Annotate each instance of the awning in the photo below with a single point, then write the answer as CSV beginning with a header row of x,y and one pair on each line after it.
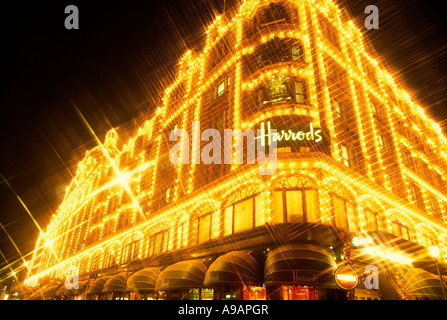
x,y
98,285
143,280
234,268
422,284
116,283
184,274
302,263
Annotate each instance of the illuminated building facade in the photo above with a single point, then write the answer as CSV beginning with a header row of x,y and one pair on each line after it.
x,y
370,190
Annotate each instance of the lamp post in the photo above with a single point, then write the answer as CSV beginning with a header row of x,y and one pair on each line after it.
x,y
434,252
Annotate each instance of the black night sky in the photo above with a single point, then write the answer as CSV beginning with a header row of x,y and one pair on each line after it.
x,y
115,67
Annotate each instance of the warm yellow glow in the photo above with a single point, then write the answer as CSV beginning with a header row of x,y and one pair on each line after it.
x,y
434,251
114,195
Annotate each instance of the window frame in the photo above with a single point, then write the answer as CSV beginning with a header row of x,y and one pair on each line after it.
x,y
345,152
295,56
199,220
304,205
302,94
131,254
338,109
151,248
222,86
255,222
347,204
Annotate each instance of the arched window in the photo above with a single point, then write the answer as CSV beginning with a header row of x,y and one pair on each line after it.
x,y
400,230
130,250
244,210
158,243
295,200
94,262
341,210
372,215
109,258
201,228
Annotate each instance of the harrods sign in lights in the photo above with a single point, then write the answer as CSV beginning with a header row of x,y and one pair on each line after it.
x,y
292,135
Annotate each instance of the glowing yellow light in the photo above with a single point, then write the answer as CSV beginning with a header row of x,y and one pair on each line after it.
x,y
85,197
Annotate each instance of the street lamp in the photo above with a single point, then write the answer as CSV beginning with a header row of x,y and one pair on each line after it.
x,y
434,252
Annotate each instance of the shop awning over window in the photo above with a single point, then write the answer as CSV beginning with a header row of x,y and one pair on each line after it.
x,y
422,284
234,268
98,285
299,264
143,280
184,274
116,283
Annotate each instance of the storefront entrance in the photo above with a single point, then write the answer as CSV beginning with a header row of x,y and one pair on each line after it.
x,y
299,293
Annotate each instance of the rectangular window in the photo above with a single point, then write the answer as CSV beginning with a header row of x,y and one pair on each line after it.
x,y
352,220
204,228
278,216
396,229
243,215
311,206
220,88
109,259
259,60
193,231
215,224
299,92
371,217
180,231
340,214
344,155
260,96
337,106
405,233
228,82
150,251
125,254
164,247
260,210
294,203
228,220
296,53
158,243
381,141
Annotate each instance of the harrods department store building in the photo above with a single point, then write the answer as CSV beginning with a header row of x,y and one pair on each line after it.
x,y
370,190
